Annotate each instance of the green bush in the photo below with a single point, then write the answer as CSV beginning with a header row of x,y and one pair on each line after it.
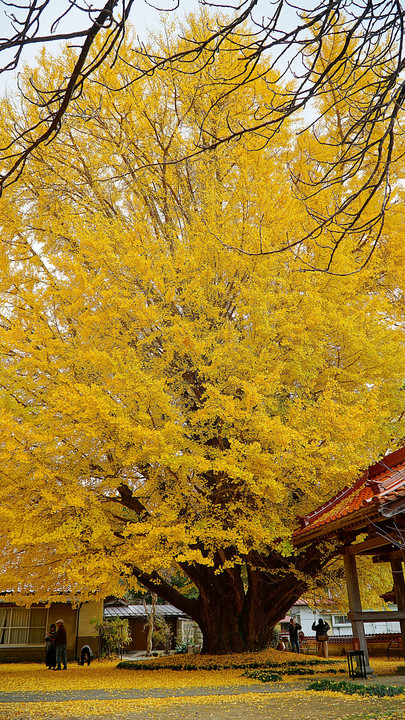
x,y
266,676
114,635
350,688
263,675
181,648
162,634
183,663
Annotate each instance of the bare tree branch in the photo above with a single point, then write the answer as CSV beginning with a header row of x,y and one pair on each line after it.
x,y
57,100
331,56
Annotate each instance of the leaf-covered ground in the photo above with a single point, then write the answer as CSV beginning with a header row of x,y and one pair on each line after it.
x,y
230,696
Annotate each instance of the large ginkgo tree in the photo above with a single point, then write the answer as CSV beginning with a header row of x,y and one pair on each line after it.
x,y
169,402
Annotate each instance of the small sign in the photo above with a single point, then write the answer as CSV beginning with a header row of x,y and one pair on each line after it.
x,y
356,644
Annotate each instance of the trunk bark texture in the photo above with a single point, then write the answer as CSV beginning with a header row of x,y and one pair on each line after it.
x,y
238,614
227,630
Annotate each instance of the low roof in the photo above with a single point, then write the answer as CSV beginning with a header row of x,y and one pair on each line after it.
x,y
381,484
133,611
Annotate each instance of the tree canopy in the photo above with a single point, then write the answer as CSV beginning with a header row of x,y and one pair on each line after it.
x,y
169,403
367,55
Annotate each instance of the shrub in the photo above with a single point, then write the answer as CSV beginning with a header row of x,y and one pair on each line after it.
x,y
226,662
162,634
114,635
350,688
181,647
265,675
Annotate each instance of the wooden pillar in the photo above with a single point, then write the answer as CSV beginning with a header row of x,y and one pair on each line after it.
x,y
353,593
399,587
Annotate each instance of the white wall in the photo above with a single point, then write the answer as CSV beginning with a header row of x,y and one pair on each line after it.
x,y
305,617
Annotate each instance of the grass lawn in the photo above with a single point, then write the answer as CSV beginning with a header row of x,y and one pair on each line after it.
x,y
41,694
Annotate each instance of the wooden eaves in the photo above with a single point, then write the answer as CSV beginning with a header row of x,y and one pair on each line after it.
x,y
369,506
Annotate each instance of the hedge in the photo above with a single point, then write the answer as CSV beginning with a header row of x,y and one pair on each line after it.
x,y
268,676
184,663
352,689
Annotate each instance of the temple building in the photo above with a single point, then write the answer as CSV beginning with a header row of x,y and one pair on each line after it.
x,y
372,507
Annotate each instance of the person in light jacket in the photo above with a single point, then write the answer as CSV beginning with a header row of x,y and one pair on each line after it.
x,y
86,655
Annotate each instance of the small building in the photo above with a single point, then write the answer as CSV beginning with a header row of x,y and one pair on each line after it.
x,y
339,623
379,636
22,629
372,507
182,628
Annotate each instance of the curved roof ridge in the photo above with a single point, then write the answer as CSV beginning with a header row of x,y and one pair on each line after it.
x,y
381,484
335,500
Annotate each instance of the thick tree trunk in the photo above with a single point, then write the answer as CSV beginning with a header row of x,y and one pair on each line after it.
x,y
227,629
220,626
238,615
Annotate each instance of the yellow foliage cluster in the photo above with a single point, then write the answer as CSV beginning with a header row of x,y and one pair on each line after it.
x,y
163,397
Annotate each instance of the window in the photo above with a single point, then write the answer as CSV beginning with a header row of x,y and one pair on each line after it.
x,y
341,620
22,626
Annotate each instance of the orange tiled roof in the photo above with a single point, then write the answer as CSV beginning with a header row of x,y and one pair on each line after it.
x,y
381,483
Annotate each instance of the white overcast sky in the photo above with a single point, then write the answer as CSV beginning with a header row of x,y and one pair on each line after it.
x,y
143,17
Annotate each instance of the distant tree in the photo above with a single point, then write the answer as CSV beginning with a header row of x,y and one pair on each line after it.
x,y
114,635
150,625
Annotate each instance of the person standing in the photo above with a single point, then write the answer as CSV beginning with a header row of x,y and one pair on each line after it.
x,y
293,630
321,628
50,654
60,645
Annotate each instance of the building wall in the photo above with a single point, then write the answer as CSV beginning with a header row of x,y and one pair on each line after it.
x,y
77,623
304,615
376,647
139,634
78,633
189,632
89,611
65,612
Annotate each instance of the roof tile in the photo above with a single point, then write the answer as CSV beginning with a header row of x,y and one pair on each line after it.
x,y
382,482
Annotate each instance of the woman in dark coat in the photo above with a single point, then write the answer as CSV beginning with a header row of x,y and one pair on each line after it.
x,y
50,655
293,630
321,628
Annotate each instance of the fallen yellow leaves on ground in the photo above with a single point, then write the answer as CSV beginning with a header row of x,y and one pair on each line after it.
x,y
105,675
270,655
238,706
385,667
247,705
34,677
